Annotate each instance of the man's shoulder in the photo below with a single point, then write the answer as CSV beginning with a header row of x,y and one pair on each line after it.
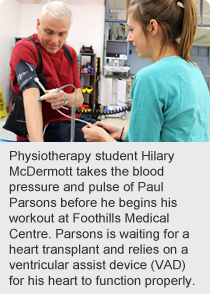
x,y
25,50
24,43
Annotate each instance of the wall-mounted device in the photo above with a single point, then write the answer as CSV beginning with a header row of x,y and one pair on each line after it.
x,y
116,48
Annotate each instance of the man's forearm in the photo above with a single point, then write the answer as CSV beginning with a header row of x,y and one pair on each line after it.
x,y
33,114
79,98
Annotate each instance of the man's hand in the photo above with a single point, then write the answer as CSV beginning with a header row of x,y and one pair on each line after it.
x,y
56,99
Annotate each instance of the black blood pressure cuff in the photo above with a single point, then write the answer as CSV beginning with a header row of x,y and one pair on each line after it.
x,y
26,73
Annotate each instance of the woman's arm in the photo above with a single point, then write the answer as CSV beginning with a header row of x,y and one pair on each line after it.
x,y
103,132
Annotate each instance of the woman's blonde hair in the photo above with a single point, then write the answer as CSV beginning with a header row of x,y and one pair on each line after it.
x,y
177,19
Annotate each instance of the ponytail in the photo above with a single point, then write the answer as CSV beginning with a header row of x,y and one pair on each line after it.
x,y
189,26
177,19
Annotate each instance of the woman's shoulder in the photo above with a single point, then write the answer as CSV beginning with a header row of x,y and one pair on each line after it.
x,y
167,66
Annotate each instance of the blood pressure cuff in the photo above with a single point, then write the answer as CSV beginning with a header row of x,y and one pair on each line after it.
x,y
26,73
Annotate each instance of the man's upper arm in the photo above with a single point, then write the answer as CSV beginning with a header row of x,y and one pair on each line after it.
x,y
25,51
22,50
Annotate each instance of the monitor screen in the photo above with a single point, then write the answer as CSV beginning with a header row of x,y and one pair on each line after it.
x,y
116,48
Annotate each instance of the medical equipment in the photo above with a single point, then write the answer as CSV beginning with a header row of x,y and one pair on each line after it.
x,y
42,87
73,107
40,84
26,73
81,120
53,91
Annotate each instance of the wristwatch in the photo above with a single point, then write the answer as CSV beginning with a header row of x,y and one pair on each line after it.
x,y
66,99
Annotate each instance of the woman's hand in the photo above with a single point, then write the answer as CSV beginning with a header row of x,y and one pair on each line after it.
x,y
113,130
93,133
